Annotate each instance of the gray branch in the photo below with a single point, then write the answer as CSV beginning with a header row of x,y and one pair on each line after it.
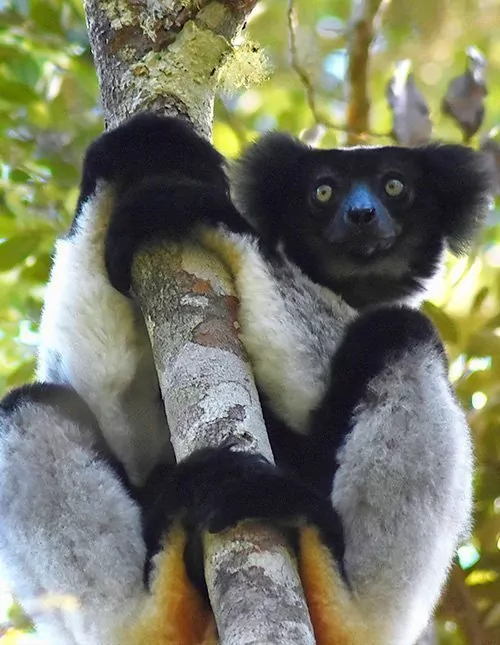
x,y
164,57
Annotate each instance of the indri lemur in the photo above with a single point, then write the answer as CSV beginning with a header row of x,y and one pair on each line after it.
x,y
329,251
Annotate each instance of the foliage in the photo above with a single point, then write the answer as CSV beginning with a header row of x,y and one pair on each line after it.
x,y
49,113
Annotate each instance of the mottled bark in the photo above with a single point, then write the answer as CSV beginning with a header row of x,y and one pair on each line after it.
x,y
210,395
164,56
161,55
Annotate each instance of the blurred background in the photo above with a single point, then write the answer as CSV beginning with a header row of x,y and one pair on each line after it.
x,y
335,72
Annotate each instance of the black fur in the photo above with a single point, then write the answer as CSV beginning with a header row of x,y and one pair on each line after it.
x,y
165,178
145,147
30,393
160,208
463,182
372,343
448,189
215,488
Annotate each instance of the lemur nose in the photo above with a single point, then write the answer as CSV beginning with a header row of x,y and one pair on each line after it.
x,y
361,216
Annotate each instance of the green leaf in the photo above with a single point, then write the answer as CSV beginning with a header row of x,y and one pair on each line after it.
x,y
479,299
483,343
445,325
45,17
16,92
20,65
19,176
17,248
38,272
23,374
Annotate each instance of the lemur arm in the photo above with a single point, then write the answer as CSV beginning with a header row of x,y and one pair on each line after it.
x,y
92,336
403,473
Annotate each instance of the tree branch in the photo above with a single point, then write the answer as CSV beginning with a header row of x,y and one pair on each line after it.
x,y
210,396
161,56
164,57
366,19
319,117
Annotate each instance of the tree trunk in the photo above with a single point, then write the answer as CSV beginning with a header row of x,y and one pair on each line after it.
x,y
164,57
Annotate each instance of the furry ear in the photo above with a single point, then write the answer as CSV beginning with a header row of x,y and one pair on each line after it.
x,y
264,180
462,182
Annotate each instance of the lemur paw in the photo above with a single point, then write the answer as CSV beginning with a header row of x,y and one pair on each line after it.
x,y
158,209
164,177
146,146
216,488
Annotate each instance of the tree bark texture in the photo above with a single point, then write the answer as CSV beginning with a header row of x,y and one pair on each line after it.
x,y
164,57
161,56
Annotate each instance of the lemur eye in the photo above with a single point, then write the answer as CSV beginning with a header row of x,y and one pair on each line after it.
x,y
323,193
394,187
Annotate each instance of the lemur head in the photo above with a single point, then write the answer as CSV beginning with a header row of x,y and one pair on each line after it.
x,y
371,224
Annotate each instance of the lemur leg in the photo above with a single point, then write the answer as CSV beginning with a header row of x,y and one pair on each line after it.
x,y
71,545
92,336
403,483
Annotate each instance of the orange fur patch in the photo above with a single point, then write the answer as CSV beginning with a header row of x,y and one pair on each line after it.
x,y
335,618
175,613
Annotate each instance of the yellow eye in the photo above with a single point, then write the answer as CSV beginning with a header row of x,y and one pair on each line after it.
x,y
323,193
394,187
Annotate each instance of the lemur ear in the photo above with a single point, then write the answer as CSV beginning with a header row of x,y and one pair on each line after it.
x,y
264,180
461,180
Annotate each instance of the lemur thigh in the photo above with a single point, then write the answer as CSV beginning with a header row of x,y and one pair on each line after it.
x,y
71,547
403,481
93,338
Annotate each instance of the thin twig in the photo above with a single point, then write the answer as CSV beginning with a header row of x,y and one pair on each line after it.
x,y
319,117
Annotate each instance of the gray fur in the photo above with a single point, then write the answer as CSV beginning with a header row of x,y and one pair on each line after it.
x,y
404,484
404,492
71,546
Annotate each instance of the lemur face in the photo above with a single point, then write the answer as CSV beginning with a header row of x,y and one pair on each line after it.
x,y
369,223
366,214
361,203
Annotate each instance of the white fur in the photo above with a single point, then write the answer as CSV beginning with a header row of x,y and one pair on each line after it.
x,y
71,546
290,328
95,339
404,492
